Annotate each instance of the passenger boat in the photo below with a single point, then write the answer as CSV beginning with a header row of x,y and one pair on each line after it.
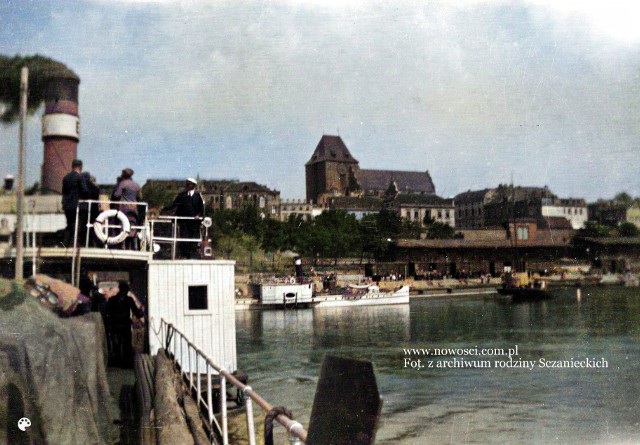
x,y
363,295
290,293
521,288
196,294
278,293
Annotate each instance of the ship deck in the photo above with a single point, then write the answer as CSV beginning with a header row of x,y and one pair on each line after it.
x,y
67,253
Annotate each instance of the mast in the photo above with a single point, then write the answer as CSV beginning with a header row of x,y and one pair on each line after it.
x,y
24,88
516,265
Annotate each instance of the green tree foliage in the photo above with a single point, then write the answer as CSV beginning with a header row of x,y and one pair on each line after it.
x,y
157,196
628,229
624,198
438,230
41,69
593,229
333,234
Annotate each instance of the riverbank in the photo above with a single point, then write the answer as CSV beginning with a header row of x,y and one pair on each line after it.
x,y
462,286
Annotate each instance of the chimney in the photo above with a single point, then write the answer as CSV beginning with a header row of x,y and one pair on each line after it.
x,y
60,131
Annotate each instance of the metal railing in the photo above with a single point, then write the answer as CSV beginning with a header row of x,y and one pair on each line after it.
x,y
173,239
177,345
143,229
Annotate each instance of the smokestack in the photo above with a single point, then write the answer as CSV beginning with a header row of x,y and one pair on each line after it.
x,y
60,130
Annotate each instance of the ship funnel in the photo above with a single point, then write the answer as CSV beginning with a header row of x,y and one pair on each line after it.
x,y
60,130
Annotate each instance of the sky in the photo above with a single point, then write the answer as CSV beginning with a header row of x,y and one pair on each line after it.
x,y
479,93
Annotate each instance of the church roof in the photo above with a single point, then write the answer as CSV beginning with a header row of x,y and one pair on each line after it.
x,y
407,181
331,148
432,200
470,197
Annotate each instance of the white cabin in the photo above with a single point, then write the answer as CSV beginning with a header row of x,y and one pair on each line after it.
x,y
286,293
197,296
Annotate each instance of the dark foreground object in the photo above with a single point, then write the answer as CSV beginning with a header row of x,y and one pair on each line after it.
x,y
53,373
346,405
523,294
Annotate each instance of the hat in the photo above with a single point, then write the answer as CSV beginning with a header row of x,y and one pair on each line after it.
x,y
193,181
76,163
127,172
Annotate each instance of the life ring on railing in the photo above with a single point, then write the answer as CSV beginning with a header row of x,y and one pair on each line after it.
x,y
102,235
292,280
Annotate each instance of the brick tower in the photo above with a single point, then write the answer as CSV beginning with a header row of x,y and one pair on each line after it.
x,y
331,171
60,130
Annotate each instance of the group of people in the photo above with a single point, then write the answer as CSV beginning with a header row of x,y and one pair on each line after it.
x,y
78,185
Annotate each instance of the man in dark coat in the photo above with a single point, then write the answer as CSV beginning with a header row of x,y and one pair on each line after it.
x,y
92,192
118,320
188,203
73,186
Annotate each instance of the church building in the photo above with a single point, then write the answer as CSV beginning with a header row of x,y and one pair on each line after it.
x,y
333,172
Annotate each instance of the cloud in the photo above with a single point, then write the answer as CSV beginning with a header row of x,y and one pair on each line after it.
x,y
246,89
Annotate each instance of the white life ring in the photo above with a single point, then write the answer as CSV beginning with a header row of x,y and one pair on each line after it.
x,y
101,233
292,280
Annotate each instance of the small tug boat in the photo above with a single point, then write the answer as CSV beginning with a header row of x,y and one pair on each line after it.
x,y
521,288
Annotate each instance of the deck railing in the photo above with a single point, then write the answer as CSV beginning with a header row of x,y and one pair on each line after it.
x,y
142,229
174,239
178,345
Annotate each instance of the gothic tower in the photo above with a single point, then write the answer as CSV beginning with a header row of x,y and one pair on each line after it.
x,y
331,171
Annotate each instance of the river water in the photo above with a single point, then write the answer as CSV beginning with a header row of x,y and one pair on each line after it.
x,y
282,353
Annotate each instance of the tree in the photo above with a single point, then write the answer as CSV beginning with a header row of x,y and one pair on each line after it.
x,y
438,230
333,234
624,198
628,229
156,195
274,236
593,229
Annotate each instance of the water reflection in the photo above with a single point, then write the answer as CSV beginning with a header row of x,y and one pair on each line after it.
x,y
361,327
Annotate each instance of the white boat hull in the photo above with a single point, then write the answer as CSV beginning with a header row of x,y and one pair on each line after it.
x,y
400,296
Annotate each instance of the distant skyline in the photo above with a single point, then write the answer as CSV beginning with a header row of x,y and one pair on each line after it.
x,y
475,92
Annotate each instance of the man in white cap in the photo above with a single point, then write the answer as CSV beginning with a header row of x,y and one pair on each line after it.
x,y
188,203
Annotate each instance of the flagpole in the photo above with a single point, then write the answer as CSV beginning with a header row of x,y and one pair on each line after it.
x,y
24,88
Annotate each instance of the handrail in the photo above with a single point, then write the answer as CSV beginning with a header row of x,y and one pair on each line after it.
x,y
173,239
89,226
169,332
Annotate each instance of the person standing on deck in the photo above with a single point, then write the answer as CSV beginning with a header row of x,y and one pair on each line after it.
x,y
119,309
88,212
188,203
128,191
73,186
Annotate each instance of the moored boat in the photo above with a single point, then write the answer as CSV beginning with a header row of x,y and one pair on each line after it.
x,y
277,293
521,288
367,295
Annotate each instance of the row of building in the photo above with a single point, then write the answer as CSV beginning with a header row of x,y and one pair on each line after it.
x,y
497,228
334,180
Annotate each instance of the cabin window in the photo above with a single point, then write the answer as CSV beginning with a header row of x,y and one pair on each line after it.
x,y
198,298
